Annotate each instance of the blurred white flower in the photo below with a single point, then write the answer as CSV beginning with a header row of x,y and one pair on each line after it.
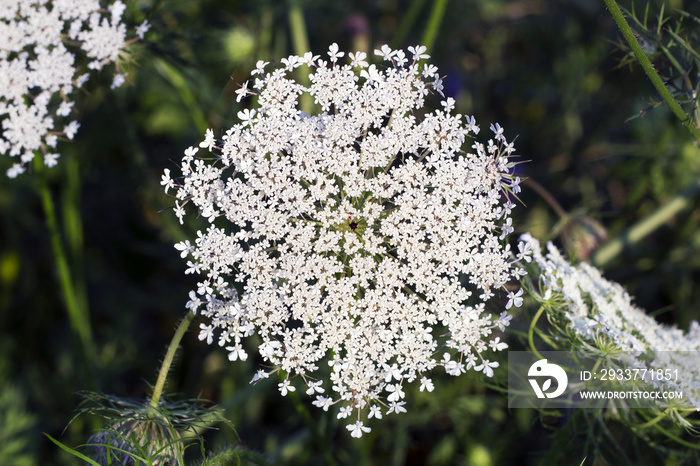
x,y
600,313
39,41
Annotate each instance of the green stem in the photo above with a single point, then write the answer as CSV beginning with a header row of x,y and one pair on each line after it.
x,y
531,330
672,436
77,316
649,68
168,359
546,195
178,80
644,227
431,31
73,230
300,43
407,23
652,421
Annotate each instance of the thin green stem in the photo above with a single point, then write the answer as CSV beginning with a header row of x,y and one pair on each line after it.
x,y
73,230
652,421
647,225
168,359
407,23
300,43
531,331
546,195
672,436
77,316
649,68
431,31
177,79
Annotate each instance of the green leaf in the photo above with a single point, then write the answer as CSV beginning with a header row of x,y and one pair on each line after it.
x,y
72,451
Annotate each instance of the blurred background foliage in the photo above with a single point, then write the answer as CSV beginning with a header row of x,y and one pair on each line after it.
x,y
552,72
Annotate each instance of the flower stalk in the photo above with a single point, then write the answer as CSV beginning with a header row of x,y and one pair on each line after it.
x,y
612,249
168,359
77,314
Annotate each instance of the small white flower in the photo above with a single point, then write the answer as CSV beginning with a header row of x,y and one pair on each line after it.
x,y
309,59
285,387
207,333
142,29
487,367
426,384
242,92
429,70
260,67
515,299
315,387
237,352
246,116
333,52
357,429
50,160
374,411
395,392
166,181
194,302
208,140
397,408
118,80
71,129
14,170
392,372
344,412
64,108
448,104
419,52
259,375
438,86
507,228
497,345
358,60
323,402
385,52
503,321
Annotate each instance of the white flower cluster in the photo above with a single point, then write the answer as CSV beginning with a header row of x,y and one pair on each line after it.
x,y
353,233
37,70
601,314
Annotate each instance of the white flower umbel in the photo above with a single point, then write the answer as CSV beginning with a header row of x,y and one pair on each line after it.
x,y
352,233
600,314
38,76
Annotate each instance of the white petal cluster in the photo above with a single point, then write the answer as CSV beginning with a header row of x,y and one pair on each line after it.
x,y
38,75
354,233
601,314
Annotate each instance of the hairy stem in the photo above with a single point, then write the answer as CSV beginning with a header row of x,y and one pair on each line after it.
x,y
649,68
169,356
